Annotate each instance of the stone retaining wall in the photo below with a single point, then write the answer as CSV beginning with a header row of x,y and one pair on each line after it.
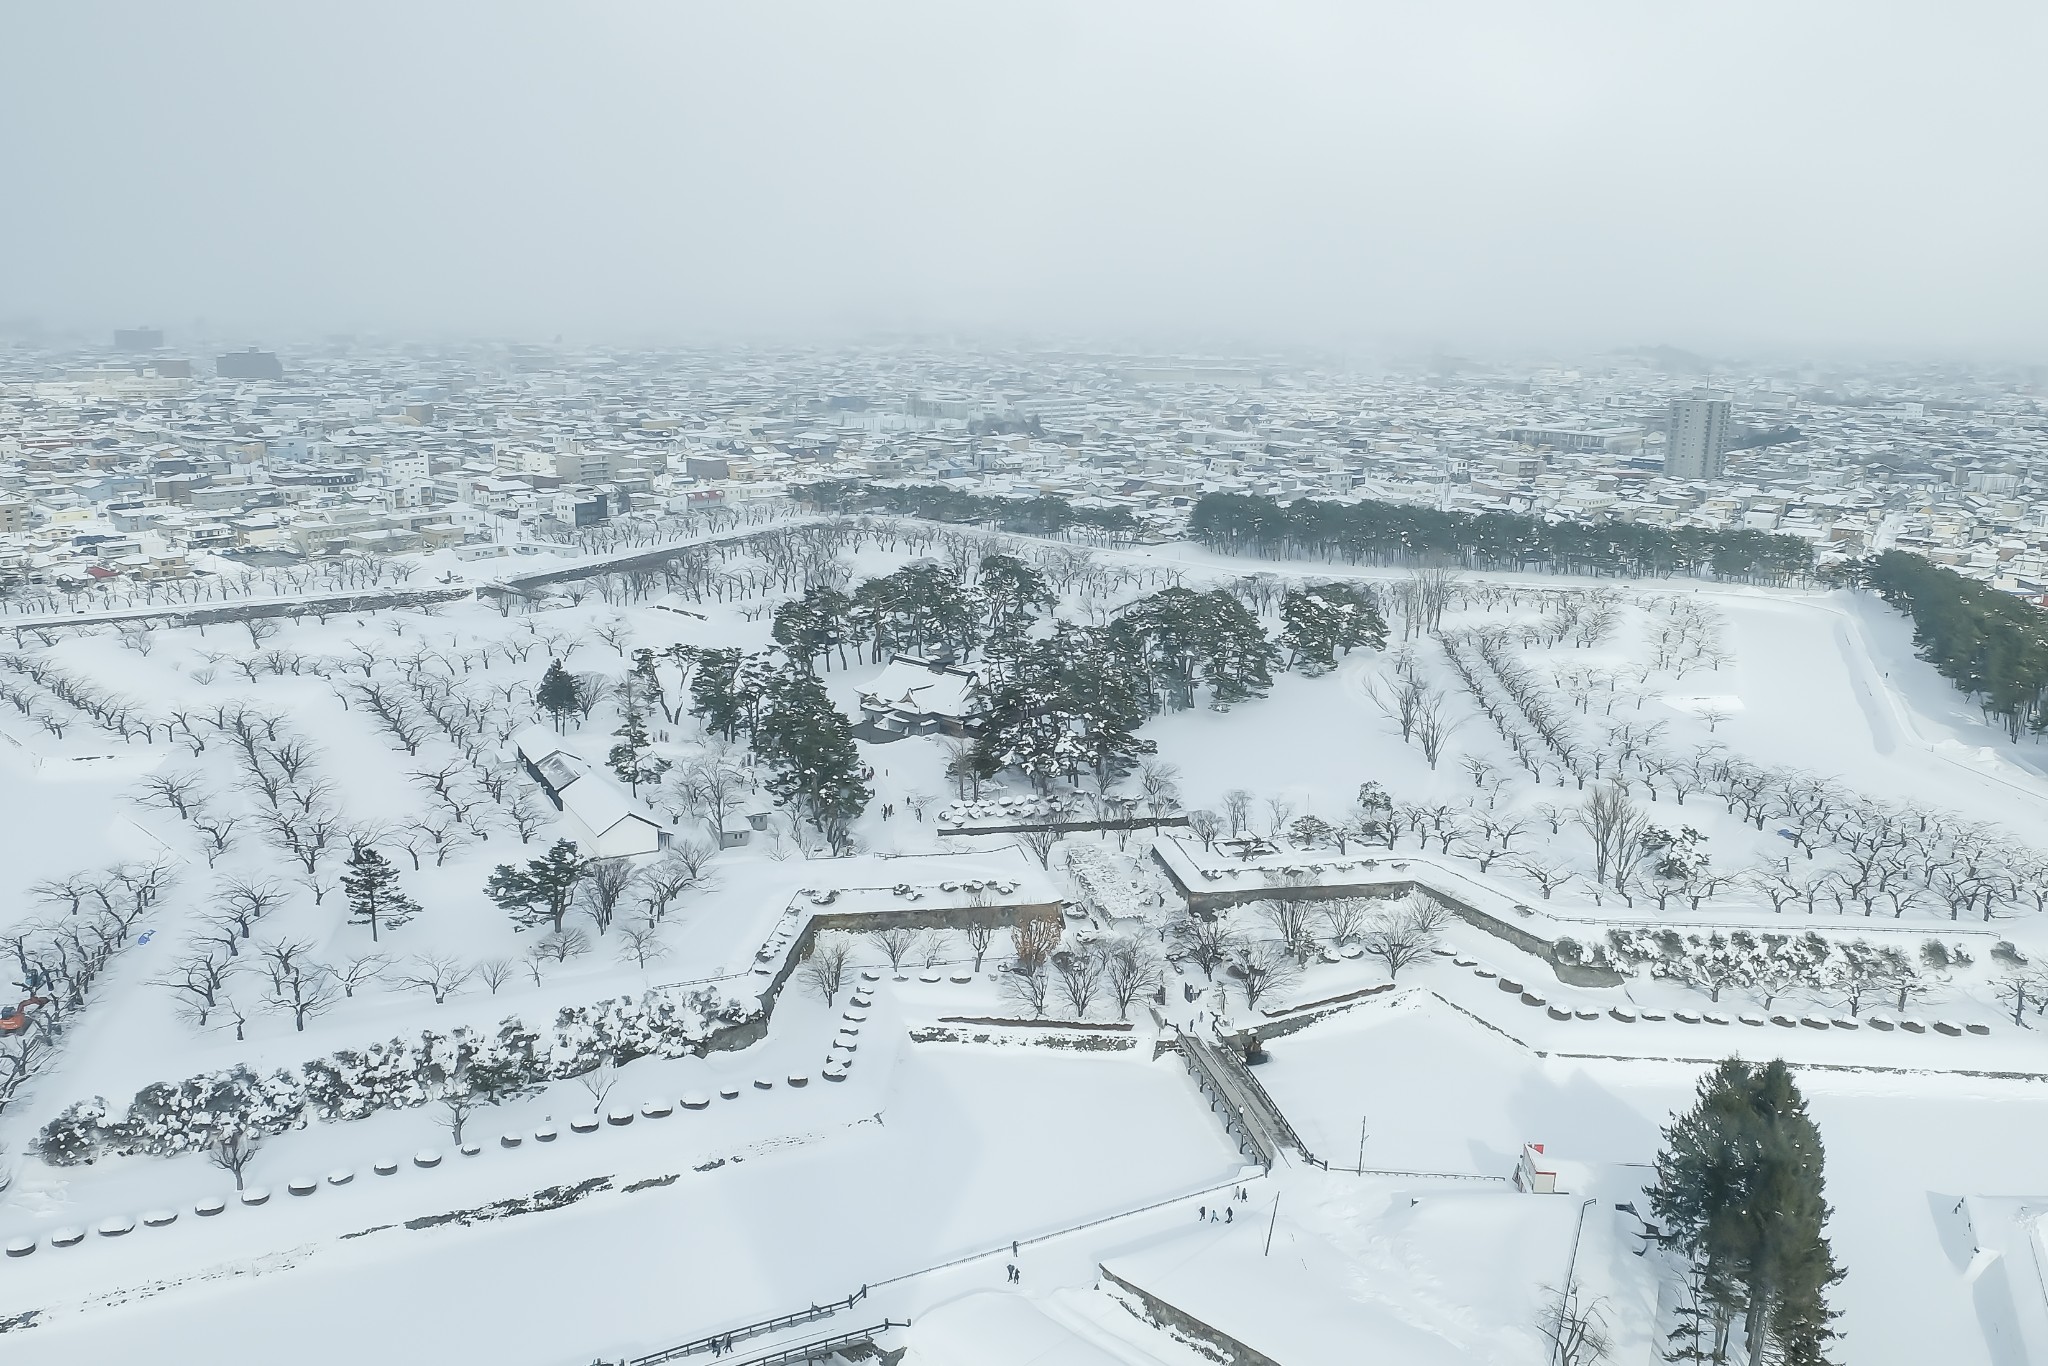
x,y
1571,974
1211,1341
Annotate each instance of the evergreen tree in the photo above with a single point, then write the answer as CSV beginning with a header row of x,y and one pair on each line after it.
x,y
1013,594
714,696
1740,1191
1070,702
812,626
560,695
374,896
1321,621
920,608
808,745
629,758
1185,638
541,892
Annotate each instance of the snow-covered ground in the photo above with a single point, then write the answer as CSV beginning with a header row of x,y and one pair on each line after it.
x,y
914,1174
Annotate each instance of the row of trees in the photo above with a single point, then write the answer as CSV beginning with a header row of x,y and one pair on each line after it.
x,y
1989,644
1378,533
228,1115
1040,515
57,961
1847,974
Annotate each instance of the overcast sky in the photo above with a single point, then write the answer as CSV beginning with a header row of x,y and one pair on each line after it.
x,y
1794,174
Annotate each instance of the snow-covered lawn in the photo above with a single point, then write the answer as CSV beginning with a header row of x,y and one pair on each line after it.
x,y
706,1212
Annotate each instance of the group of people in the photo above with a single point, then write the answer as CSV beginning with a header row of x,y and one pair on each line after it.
x,y
1207,1213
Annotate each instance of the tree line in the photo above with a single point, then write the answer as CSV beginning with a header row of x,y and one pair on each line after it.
x,y
1989,644
1377,533
1041,515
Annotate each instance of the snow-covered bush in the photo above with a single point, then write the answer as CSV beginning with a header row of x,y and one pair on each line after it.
x,y
73,1137
165,1118
1769,965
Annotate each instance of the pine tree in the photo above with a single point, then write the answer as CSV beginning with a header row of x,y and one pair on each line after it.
x,y
717,697
374,896
542,891
629,758
808,744
1740,1191
560,695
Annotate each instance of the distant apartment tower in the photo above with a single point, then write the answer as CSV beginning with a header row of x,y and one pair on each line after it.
x,y
1696,438
249,364
138,338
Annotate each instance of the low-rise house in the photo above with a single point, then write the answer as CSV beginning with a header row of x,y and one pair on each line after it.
x,y
611,827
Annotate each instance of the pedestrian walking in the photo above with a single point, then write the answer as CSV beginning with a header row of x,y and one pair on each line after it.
x,y
1230,1216
1013,1247
1010,1273
1201,1213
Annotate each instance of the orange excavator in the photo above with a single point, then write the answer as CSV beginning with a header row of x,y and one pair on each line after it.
x,y
14,1019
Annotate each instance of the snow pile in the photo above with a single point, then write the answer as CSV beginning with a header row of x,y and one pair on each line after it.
x,y
1117,886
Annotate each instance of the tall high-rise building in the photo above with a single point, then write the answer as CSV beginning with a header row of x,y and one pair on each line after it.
x,y
1696,438
137,338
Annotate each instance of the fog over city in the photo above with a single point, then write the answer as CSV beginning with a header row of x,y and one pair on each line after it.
x,y
1842,177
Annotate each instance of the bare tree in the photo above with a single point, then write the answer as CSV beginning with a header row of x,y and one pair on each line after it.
x,y
2017,987
895,942
1040,841
1130,970
439,974
1291,918
1237,810
1033,941
979,935
641,941
1205,826
1434,726
200,980
1617,826
1344,918
1262,967
1278,809
298,986
1208,941
829,968
495,972
216,832
604,886
599,1081
1029,984
179,792
359,972
668,877
1576,1331
529,816
1549,874
243,901
1079,972
559,946
1405,934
